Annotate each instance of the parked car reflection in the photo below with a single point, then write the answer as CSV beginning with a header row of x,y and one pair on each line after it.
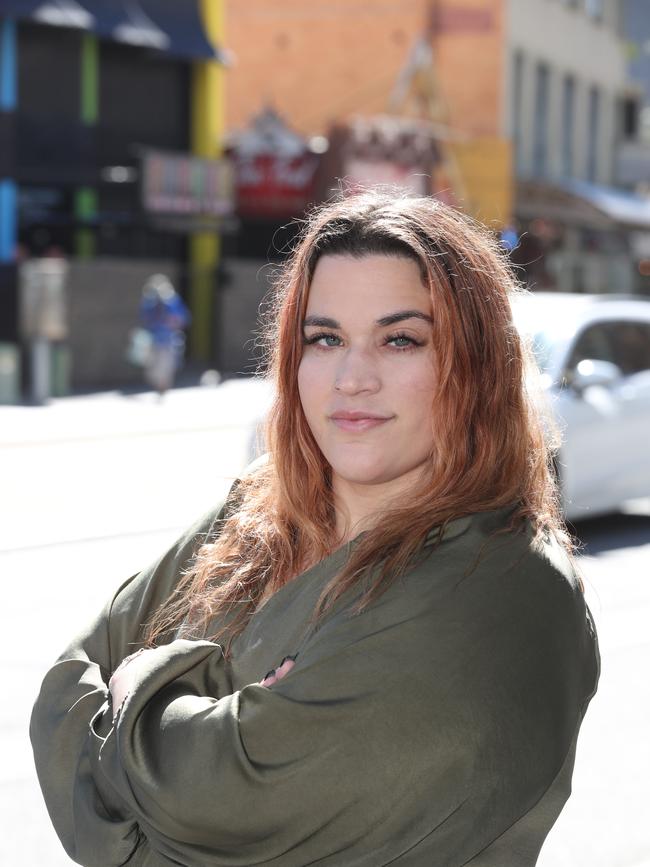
x,y
594,354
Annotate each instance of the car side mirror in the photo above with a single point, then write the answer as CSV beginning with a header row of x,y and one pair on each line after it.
x,y
590,372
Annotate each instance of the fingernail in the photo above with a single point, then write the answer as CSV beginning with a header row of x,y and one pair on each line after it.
x,y
291,657
269,674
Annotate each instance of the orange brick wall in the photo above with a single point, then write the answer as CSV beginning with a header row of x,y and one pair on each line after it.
x,y
316,61
471,72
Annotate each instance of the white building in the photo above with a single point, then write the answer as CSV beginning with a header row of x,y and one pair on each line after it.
x,y
569,107
566,87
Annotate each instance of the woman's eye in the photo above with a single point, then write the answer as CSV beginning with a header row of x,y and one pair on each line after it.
x,y
402,341
327,340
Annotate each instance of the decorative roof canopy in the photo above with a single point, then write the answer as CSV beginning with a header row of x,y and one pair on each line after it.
x,y
172,26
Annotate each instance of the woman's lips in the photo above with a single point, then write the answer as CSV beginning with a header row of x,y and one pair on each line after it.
x,y
357,422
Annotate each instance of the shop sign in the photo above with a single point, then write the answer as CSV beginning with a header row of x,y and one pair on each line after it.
x,y
463,19
271,185
184,185
386,150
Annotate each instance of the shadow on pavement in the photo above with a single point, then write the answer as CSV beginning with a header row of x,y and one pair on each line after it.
x,y
611,532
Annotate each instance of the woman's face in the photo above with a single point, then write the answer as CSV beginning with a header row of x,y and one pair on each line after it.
x,y
366,378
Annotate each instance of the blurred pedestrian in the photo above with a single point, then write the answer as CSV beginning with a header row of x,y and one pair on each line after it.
x,y
398,567
164,316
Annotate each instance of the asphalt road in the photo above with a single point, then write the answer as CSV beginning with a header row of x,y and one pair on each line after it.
x,y
93,490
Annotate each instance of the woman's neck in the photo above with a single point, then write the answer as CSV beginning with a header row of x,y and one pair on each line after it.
x,y
358,507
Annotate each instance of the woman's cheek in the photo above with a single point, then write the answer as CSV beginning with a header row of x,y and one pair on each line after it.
x,y
312,378
308,389
418,378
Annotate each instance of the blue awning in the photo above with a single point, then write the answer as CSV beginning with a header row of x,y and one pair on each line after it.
x,y
127,22
182,21
581,203
57,13
619,205
172,26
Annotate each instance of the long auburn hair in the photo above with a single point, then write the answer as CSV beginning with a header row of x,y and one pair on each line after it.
x,y
490,447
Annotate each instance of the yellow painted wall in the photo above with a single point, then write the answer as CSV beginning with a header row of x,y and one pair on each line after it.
x,y
485,165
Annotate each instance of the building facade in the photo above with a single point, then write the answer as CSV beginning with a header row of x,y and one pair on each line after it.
x,y
570,110
566,82
110,133
634,156
327,63
531,101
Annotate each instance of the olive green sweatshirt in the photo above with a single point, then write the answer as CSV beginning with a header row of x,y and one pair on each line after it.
x,y
437,728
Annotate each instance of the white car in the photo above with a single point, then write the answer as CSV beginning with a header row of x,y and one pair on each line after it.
x,y
594,354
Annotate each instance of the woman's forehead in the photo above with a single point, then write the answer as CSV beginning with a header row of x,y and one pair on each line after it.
x,y
373,280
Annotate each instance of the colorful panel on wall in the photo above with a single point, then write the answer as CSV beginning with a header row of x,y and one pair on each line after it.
x,y
178,184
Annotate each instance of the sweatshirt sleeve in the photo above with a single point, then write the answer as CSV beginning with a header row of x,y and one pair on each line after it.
x,y
429,717
94,826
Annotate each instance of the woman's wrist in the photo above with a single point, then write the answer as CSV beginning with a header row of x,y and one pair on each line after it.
x,y
122,679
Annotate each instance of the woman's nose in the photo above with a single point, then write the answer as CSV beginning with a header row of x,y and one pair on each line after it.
x,y
357,373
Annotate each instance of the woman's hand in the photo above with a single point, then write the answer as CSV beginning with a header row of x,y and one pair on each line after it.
x,y
278,673
123,677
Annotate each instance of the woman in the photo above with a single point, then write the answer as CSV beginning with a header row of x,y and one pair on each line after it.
x,y
398,564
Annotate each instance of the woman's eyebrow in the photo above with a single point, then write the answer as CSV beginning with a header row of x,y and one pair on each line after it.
x,y
320,322
391,319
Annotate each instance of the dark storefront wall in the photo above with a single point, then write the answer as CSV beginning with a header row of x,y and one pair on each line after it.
x,y
52,147
48,72
53,151
143,94
143,100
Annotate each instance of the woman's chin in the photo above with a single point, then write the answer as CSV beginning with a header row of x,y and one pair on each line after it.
x,y
360,470
358,473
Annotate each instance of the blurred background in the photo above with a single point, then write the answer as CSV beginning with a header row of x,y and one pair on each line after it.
x,y
164,149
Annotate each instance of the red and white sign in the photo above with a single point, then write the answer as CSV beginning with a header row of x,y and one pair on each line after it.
x,y
272,185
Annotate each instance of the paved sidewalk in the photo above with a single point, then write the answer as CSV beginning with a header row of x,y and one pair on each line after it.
x,y
109,464
112,413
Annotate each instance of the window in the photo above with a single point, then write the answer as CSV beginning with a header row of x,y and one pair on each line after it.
x,y
631,342
626,344
540,135
630,111
517,91
568,112
595,344
593,123
595,8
